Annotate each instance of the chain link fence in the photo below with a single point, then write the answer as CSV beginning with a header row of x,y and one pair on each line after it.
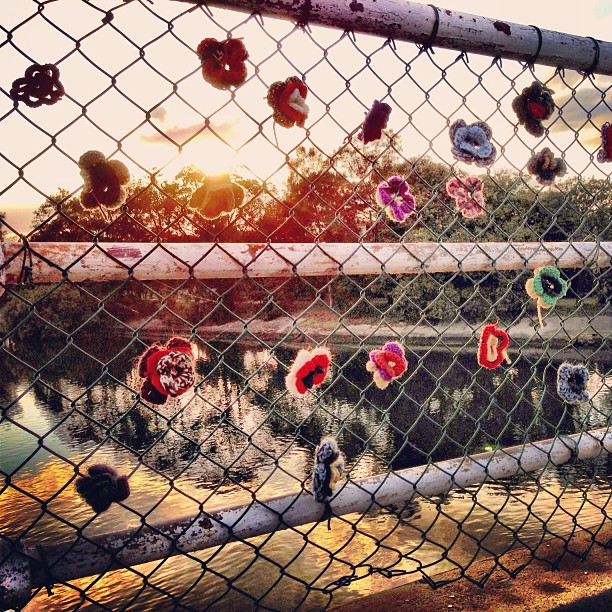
x,y
305,255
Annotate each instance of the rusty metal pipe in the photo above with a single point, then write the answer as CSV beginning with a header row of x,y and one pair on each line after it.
x,y
410,21
84,557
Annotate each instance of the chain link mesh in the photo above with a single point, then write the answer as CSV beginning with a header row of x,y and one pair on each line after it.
x,y
69,388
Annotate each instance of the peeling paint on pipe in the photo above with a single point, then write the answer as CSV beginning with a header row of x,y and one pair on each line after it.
x,y
84,557
79,261
404,20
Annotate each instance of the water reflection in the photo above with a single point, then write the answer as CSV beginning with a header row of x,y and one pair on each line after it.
x,y
238,433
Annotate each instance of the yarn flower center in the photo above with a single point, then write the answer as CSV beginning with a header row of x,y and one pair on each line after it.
x,y
308,380
576,381
537,110
175,372
551,285
297,102
492,344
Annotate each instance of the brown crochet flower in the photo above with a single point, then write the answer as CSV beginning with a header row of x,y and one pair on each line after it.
x,y
104,181
546,167
217,196
40,85
534,105
102,486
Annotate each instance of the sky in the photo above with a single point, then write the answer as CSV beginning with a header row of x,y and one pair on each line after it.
x,y
151,125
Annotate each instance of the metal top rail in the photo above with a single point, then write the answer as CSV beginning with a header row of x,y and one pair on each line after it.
x,y
429,25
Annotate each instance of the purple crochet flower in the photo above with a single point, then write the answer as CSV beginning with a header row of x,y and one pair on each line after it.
x,y
393,195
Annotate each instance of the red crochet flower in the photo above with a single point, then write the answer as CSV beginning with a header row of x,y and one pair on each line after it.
x,y
492,346
309,370
168,371
223,62
390,363
288,99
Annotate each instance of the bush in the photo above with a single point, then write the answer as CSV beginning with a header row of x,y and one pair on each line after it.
x,y
47,314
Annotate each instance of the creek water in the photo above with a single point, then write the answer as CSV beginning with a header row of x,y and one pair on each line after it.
x,y
239,434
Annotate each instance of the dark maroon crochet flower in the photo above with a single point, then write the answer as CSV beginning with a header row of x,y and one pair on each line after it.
x,y
375,122
102,486
40,85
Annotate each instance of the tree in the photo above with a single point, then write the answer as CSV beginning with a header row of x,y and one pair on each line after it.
x,y
153,211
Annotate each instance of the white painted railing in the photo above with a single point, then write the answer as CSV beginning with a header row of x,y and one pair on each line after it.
x,y
82,261
36,567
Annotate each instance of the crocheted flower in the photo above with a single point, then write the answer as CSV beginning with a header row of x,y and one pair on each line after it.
x,y
168,371
605,153
387,363
375,122
308,371
217,196
393,195
571,383
492,346
533,105
546,167
288,99
40,85
328,469
104,181
472,144
102,487
469,195
546,287
223,62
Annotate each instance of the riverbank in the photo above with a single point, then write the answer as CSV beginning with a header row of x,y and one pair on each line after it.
x,y
321,326
577,585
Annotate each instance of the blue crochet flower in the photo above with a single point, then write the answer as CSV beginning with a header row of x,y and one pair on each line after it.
x,y
571,383
472,143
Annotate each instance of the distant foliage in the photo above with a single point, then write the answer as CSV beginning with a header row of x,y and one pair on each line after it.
x,y
326,198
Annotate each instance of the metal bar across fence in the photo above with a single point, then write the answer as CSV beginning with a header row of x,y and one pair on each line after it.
x,y
148,262
426,24
71,560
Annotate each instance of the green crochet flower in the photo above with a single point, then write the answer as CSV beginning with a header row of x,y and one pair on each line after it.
x,y
549,286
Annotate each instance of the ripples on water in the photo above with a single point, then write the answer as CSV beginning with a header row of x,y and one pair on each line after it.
x,y
240,432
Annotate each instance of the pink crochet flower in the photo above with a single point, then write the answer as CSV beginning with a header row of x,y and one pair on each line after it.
x,y
393,195
468,194
387,363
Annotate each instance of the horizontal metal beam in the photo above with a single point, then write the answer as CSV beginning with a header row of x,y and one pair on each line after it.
x,y
85,557
410,21
81,261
